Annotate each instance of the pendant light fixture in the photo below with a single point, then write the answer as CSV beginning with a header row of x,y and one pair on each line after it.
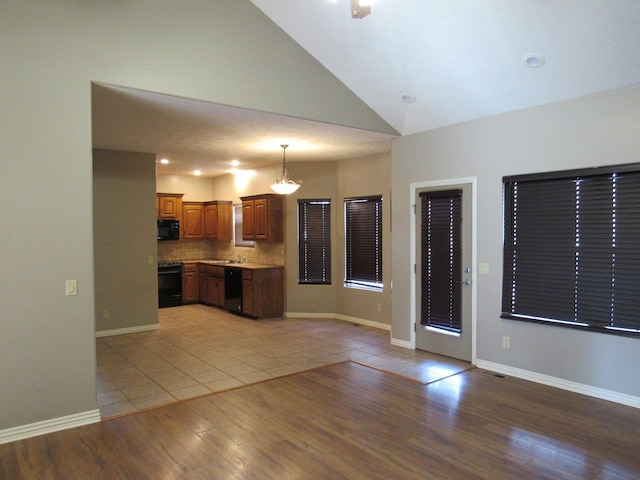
x,y
283,185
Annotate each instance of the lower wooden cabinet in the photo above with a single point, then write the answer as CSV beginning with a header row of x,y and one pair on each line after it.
x,y
214,286
190,283
262,288
263,292
202,282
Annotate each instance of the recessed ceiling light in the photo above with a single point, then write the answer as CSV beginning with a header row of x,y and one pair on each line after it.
x,y
197,172
234,163
408,97
534,60
164,161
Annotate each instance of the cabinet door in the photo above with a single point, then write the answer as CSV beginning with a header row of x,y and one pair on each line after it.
x,y
192,224
225,222
211,222
189,283
168,207
202,283
215,285
218,292
248,220
261,219
247,297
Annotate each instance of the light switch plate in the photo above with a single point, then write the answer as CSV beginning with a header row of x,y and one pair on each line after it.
x,y
71,287
483,268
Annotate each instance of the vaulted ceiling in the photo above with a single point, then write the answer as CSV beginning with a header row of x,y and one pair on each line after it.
x,y
467,59
419,64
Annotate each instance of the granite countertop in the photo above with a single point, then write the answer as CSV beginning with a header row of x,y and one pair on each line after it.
x,y
228,263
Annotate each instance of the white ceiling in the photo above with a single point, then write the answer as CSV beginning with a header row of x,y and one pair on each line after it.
x,y
206,136
462,59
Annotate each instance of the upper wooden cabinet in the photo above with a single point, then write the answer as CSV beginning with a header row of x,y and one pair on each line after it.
x,y
210,220
262,217
192,220
218,221
169,206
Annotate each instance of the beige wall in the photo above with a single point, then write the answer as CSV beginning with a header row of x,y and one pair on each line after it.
x,y
318,181
195,189
124,229
357,178
223,51
586,132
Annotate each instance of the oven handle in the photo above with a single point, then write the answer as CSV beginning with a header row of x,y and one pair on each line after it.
x,y
172,271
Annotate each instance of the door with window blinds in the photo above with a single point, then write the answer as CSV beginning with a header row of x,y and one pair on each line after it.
x,y
443,271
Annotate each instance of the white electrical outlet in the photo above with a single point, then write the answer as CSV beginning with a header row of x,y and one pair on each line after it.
x,y
506,342
379,307
105,313
150,260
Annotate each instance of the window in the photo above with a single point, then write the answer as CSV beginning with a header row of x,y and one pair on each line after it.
x,y
441,259
572,249
363,242
237,228
314,242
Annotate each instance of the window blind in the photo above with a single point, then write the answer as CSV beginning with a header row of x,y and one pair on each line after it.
x,y
440,265
572,249
363,241
314,241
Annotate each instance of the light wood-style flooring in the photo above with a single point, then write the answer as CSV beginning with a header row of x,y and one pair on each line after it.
x,y
348,421
199,350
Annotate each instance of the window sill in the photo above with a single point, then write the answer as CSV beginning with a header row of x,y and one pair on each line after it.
x,y
359,286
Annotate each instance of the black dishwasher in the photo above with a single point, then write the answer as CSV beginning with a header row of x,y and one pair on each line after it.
x,y
233,289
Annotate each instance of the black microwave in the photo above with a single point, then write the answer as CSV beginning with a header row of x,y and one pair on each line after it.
x,y
168,230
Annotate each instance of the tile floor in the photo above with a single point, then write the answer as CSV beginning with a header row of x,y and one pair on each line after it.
x,y
199,350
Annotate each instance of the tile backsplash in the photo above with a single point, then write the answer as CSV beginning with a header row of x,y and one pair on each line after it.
x,y
263,252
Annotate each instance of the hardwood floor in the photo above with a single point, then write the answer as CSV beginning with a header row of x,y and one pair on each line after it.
x,y
348,421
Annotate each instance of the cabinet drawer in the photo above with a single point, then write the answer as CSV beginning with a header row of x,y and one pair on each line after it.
x,y
215,270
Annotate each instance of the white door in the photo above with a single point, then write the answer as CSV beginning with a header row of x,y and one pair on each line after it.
x,y
443,270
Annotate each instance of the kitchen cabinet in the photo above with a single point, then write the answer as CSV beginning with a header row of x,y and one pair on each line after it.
x,y
210,220
169,206
263,292
189,283
218,221
262,217
192,220
202,282
214,285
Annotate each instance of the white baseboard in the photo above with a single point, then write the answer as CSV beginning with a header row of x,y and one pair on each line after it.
x,y
337,316
124,331
561,383
49,426
401,343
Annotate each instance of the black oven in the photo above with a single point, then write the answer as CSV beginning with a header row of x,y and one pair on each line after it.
x,y
169,284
